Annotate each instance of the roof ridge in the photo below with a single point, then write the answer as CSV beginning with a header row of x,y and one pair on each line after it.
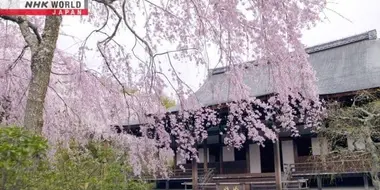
x,y
369,35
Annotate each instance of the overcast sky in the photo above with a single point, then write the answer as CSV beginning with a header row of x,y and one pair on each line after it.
x,y
364,15
359,16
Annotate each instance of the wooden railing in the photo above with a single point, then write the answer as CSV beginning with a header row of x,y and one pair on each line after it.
x,y
179,174
187,173
331,167
234,167
291,185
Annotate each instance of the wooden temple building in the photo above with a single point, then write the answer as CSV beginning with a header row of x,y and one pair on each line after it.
x,y
343,68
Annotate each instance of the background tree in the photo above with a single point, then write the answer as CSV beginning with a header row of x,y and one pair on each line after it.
x,y
359,121
42,49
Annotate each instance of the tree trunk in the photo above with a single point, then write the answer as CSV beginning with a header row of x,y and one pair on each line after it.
x,y
375,169
42,57
375,165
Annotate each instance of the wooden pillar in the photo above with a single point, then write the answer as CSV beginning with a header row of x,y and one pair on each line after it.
x,y
205,155
167,184
194,174
175,160
295,150
319,182
221,159
220,154
277,164
365,178
248,160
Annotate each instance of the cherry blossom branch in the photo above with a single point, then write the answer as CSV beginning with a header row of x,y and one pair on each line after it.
x,y
173,51
150,52
94,31
64,102
105,41
112,72
20,21
120,18
170,83
159,7
55,92
19,57
133,51
24,91
74,73
179,78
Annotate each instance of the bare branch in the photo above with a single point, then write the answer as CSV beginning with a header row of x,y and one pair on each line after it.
x,y
370,115
339,14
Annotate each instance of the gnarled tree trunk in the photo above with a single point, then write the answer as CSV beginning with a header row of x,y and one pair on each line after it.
x,y
375,160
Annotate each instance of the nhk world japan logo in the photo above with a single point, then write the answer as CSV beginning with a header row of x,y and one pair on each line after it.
x,y
44,7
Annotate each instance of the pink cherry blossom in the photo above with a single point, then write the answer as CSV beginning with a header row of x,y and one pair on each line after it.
x,y
83,103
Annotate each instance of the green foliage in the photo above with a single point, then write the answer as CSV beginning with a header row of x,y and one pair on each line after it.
x,y
97,166
167,102
17,147
20,154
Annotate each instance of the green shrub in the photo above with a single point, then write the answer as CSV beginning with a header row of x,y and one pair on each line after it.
x,y
20,156
97,166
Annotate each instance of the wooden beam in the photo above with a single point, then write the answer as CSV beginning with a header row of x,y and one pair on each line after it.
x,y
277,164
350,93
194,172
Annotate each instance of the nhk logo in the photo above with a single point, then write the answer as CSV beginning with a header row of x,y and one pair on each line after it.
x,y
44,7
54,4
